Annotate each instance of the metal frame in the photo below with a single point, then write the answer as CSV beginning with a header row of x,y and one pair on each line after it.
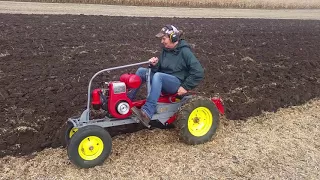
x,y
163,113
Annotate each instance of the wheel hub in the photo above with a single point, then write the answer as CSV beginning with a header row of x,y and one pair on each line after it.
x,y
90,148
196,120
200,121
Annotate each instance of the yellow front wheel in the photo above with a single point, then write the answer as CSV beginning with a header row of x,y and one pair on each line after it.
x,y
70,131
90,146
197,120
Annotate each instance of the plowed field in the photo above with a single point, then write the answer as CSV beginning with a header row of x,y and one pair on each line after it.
x,y
46,62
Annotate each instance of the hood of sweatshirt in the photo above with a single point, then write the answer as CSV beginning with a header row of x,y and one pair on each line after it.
x,y
182,44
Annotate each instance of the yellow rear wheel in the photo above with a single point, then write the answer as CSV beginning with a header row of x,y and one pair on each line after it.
x,y
197,120
200,121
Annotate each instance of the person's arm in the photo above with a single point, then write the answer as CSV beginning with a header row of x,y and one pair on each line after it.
x,y
156,67
196,71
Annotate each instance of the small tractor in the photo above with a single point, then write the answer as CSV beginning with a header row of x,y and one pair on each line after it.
x,y
89,143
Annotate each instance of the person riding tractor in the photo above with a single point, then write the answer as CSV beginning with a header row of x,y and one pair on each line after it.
x,y
169,78
175,71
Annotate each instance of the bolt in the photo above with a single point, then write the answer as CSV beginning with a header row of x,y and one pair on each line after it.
x,y
196,120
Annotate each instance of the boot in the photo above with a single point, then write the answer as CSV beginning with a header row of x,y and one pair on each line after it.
x,y
143,118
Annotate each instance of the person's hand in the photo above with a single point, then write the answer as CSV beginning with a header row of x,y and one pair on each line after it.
x,y
181,91
153,61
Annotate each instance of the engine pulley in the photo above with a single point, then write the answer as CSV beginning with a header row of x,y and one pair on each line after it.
x,y
123,107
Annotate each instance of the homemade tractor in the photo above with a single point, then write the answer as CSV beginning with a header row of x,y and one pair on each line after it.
x,y
89,144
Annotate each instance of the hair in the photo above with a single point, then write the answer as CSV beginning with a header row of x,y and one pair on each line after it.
x,y
181,33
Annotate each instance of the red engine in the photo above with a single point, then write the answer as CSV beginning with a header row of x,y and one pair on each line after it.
x,y
114,97
131,80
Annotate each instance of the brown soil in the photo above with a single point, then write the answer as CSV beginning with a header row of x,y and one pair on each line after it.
x,y
46,62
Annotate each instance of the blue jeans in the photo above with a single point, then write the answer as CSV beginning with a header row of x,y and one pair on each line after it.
x,y
160,82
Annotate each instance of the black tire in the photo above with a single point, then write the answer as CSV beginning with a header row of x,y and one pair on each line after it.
x,y
69,132
204,105
85,136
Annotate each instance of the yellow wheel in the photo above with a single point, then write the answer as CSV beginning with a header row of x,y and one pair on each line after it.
x,y
90,146
200,121
197,121
69,132
72,131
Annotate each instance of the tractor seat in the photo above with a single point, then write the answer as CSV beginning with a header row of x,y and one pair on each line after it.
x,y
174,96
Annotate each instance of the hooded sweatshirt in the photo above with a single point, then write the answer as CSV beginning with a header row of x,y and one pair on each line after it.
x,y
181,63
